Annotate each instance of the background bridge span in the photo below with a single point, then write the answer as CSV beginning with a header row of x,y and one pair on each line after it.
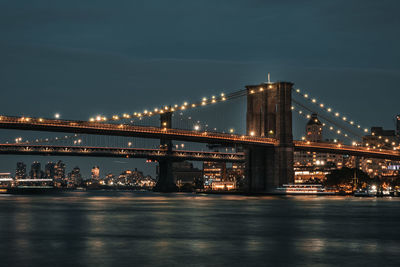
x,y
154,154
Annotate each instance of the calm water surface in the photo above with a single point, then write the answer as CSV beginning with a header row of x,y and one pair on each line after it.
x,y
150,229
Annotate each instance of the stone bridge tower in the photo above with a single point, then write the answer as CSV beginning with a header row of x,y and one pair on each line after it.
x,y
269,114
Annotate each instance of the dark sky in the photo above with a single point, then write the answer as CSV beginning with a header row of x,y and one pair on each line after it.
x,y
81,58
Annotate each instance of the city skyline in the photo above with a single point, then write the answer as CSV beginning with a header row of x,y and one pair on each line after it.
x,y
67,169
57,63
199,133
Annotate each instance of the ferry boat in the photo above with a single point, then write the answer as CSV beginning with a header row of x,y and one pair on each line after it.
x,y
366,192
31,186
303,189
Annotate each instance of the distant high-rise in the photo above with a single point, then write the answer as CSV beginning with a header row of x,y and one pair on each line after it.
x,y
20,172
75,176
95,172
398,125
314,129
49,170
36,170
59,170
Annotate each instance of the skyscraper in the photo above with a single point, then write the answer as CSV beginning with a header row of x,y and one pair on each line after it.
x,y
59,170
49,170
36,170
75,177
20,172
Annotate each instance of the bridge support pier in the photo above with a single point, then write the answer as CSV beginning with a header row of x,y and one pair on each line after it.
x,y
269,114
165,181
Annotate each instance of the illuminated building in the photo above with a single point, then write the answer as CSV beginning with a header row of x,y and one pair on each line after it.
x,y
6,180
313,166
59,170
20,172
314,129
36,171
185,173
236,173
96,172
49,170
130,178
75,177
223,185
379,139
147,182
214,172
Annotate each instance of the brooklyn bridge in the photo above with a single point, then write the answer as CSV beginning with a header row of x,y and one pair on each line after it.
x,y
266,148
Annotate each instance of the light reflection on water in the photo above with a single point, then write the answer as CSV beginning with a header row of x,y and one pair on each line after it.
x,y
143,229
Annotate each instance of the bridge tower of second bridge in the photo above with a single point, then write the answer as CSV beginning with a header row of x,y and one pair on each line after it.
x,y
269,114
165,182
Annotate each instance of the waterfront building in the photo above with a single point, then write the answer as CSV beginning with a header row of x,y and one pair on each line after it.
x,y
147,182
6,180
185,173
95,172
130,177
75,177
213,172
223,185
109,179
237,173
313,166
379,139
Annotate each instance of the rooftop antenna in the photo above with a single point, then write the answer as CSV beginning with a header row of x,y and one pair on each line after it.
x,y
269,77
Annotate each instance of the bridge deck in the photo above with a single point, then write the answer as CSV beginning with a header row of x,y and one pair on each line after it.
x,y
154,154
39,124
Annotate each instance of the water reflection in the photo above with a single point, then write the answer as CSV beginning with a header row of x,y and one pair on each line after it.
x,y
125,228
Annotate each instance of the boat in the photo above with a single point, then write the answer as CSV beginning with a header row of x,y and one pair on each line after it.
x,y
366,192
363,193
303,189
32,186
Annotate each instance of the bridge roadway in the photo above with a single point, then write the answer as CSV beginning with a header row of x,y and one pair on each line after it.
x,y
69,126
347,150
40,124
153,154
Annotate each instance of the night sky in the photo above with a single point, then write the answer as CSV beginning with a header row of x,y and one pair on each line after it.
x,y
82,58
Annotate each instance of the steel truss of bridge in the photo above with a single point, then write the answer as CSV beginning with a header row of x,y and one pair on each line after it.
x,y
153,154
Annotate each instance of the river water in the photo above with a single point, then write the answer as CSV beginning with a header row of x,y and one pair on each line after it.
x,y
151,229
